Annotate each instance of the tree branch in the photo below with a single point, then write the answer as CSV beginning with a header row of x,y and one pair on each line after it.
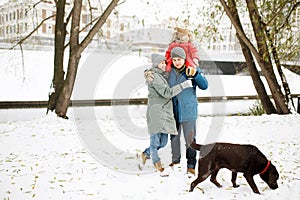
x,y
277,13
288,16
75,24
239,31
36,28
98,25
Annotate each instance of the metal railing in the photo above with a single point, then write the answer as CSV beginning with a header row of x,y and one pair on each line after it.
x,y
111,102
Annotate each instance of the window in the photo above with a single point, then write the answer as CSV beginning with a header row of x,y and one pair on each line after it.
x,y
224,47
44,28
122,27
108,23
44,14
21,28
54,17
84,19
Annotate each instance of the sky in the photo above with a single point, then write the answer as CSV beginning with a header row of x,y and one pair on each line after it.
x,y
155,11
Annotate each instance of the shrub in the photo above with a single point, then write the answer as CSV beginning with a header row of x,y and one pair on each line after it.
x,y
257,108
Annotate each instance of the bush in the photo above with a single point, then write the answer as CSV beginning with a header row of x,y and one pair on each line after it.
x,y
257,108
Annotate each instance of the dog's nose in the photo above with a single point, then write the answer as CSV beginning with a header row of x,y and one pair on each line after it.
x,y
274,186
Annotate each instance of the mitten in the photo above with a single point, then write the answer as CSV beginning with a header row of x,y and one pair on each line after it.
x,y
186,84
190,72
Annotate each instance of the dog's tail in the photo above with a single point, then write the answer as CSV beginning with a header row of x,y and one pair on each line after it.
x,y
192,143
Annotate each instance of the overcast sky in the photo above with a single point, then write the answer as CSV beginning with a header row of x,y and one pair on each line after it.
x,y
155,11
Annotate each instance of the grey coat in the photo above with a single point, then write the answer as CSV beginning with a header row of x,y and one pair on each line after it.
x,y
160,117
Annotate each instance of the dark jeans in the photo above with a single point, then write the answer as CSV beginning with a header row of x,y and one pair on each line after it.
x,y
188,128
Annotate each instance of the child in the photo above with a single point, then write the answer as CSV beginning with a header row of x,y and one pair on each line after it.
x,y
160,117
183,38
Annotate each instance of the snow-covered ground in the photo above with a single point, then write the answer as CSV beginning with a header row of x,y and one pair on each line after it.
x,y
94,154
84,158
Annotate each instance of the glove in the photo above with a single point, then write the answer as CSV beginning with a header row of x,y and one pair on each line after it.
x,y
190,72
186,84
149,75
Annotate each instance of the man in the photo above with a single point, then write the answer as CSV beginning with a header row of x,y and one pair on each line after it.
x,y
184,106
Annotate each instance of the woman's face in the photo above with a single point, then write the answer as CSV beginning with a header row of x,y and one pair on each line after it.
x,y
178,62
162,65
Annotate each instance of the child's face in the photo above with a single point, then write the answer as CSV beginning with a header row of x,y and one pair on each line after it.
x,y
162,65
183,37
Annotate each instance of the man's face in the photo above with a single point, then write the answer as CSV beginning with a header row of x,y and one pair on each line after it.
x,y
178,62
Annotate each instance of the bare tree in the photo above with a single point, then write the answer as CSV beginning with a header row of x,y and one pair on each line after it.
x,y
63,84
258,84
262,53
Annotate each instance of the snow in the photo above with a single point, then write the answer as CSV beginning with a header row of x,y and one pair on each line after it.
x,y
121,72
94,154
53,158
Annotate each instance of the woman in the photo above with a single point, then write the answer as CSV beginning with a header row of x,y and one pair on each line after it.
x,y
160,117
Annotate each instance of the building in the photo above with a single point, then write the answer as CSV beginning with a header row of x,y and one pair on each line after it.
x,y
19,18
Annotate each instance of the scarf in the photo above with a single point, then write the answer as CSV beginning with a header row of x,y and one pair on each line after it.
x,y
180,70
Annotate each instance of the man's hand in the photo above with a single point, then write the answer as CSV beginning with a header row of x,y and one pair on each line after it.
x,y
190,71
149,75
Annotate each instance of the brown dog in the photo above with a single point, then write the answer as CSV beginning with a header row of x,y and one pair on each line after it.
x,y
247,159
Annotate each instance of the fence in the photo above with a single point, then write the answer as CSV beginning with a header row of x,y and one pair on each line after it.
x,y
110,102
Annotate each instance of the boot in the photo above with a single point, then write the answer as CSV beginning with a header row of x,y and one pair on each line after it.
x,y
173,163
144,158
191,171
158,166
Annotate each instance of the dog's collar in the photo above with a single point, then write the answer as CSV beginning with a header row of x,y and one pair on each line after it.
x,y
266,168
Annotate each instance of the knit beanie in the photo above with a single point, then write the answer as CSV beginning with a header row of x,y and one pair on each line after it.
x,y
178,52
156,59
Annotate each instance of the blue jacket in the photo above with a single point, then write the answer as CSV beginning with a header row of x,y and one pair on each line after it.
x,y
185,104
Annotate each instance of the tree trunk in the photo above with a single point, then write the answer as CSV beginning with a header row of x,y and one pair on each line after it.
x,y
65,95
258,84
60,35
265,60
64,89
288,95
